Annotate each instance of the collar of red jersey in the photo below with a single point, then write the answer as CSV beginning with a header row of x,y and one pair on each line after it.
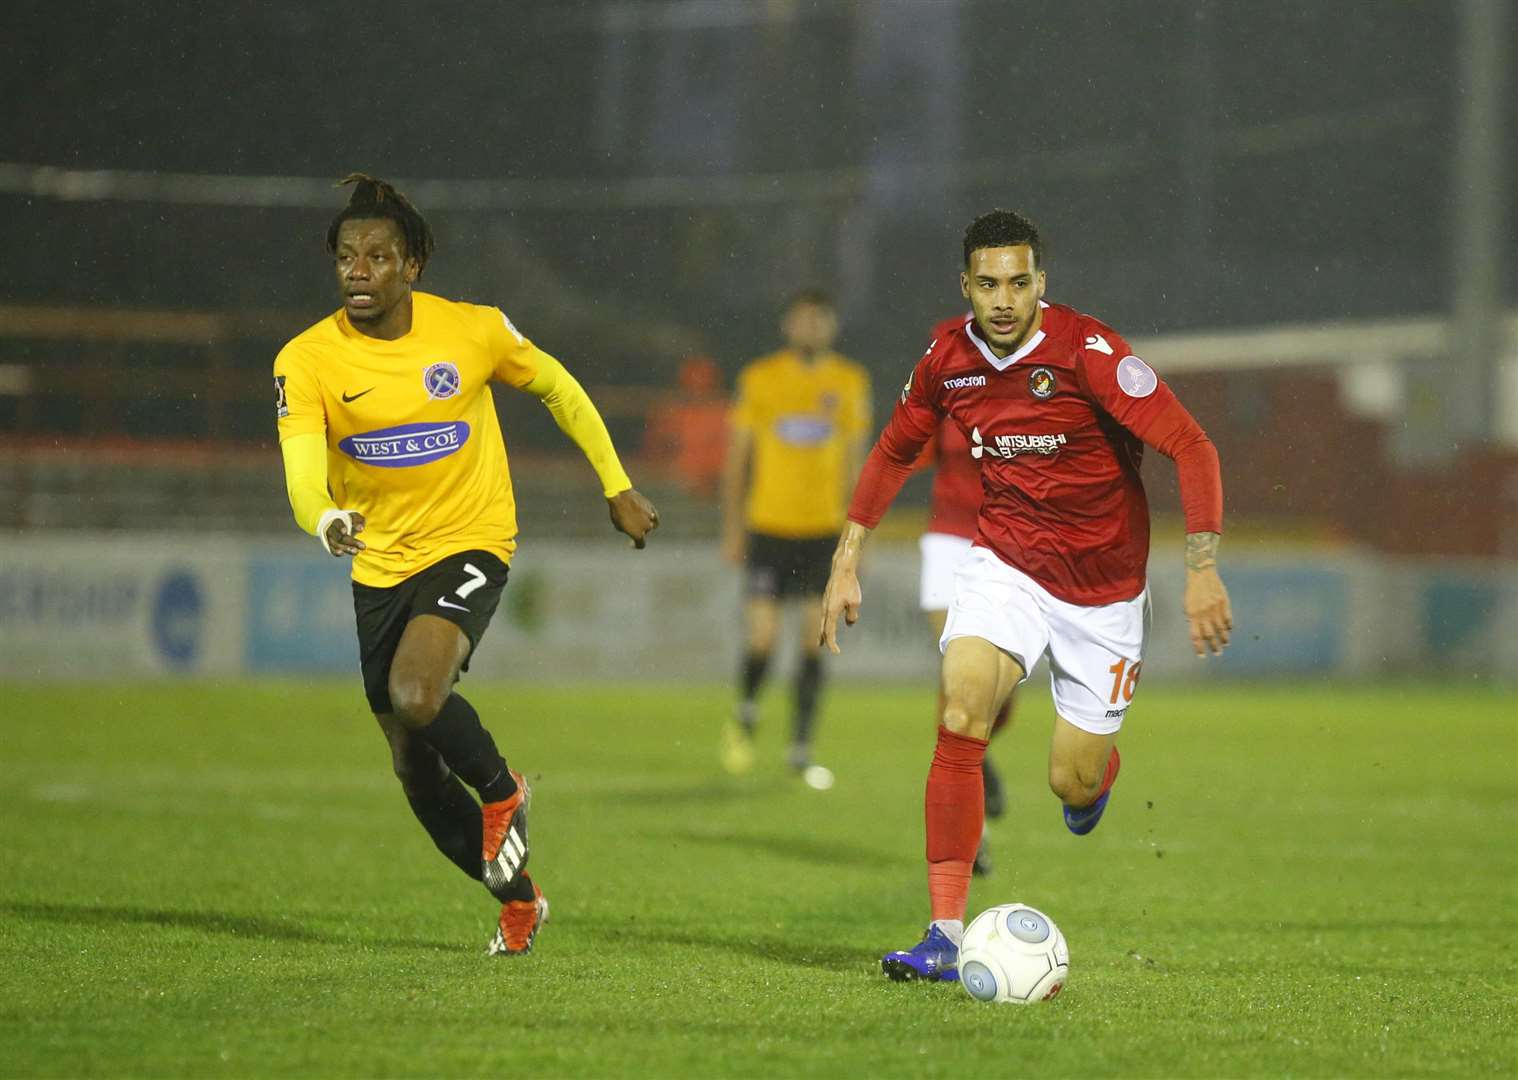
x,y
1002,363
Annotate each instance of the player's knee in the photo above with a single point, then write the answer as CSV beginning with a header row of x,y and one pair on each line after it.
x,y
416,700
1072,787
963,720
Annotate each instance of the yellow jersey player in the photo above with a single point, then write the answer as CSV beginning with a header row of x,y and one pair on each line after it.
x,y
388,429
799,430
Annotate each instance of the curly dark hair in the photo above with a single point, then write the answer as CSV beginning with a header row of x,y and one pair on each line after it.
x,y
1003,228
374,198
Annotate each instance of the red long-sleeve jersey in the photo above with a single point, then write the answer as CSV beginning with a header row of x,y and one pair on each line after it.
x,y
1058,430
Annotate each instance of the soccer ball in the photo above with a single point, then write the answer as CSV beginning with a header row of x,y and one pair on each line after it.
x,y
1013,952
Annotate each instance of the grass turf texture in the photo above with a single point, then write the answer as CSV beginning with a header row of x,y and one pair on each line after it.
x,y
227,882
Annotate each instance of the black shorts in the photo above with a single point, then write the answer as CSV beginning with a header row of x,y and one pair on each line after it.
x,y
780,567
463,588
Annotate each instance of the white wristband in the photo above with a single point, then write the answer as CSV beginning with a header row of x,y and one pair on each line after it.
x,y
327,518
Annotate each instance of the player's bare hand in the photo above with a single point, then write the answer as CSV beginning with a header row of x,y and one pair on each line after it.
x,y
841,597
1207,611
343,541
634,515
734,547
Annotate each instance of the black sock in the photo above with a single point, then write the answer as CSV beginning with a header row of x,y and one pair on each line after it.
x,y
452,818
755,666
808,686
469,751
519,888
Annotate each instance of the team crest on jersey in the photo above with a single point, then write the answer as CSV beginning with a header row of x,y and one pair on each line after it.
x,y
442,380
281,406
1041,383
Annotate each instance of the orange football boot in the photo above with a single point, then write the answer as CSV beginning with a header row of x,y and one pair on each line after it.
x,y
505,835
518,925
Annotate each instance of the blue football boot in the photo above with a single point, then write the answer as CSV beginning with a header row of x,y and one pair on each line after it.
x,y
934,958
1082,819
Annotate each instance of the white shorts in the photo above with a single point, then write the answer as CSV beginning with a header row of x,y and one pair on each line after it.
x,y
941,553
1095,653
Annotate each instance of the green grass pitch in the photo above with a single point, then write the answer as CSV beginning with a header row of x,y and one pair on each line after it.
x,y
225,881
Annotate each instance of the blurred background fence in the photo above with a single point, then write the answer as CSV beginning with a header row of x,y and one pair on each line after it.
x,y
1300,213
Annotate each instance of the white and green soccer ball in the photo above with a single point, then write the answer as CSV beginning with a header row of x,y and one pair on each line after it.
x,y
1013,952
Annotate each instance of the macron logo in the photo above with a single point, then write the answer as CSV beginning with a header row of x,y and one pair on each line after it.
x,y
963,381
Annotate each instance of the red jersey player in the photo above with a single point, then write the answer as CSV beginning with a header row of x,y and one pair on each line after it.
x,y
1057,410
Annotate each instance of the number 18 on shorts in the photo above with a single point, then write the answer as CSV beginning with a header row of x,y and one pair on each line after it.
x,y
1096,654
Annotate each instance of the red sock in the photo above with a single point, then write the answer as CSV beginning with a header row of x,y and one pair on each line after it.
x,y
955,812
1113,763
949,888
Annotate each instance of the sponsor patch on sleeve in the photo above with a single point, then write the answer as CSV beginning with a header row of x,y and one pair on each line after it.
x,y
1136,378
281,405
514,331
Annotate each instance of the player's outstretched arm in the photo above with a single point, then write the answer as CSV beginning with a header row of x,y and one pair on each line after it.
x,y
842,595
577,417
633,515
885,469
1133,394
1208,612
305,458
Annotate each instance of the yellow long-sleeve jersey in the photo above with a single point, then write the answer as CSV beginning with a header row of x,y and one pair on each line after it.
x,y
412,439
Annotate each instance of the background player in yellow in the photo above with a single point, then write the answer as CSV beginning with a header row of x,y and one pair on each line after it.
x,y
799,429
387,428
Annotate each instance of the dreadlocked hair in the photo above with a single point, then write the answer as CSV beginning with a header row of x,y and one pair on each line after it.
x,y
374,198
1003,228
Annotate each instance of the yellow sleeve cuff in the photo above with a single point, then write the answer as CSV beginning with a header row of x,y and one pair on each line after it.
x,y
306,478
577,417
